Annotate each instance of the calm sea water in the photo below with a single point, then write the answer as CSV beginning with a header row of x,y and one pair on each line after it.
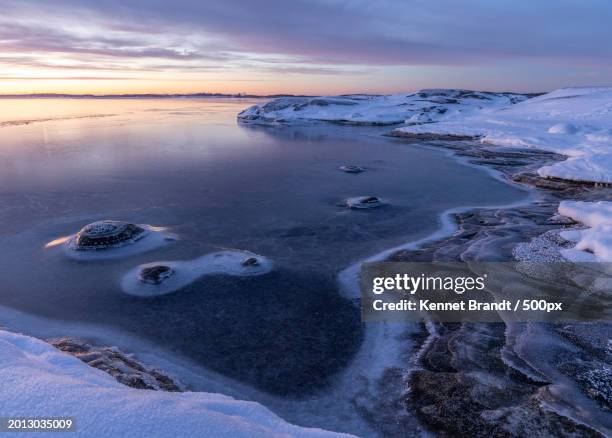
x,y
187,165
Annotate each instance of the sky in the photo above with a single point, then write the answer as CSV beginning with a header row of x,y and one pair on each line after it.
x,y
302,46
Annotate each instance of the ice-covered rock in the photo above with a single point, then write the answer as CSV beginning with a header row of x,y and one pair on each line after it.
x,y
178,274
122,367
362,202
107,234
425,106
349,168
38,380
111,239
250,261
575,122
155,274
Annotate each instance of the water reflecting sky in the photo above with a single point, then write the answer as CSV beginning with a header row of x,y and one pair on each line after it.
x,y
186,164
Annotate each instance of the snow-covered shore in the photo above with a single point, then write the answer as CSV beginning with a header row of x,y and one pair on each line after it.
x,y
575,122
36,379
426,106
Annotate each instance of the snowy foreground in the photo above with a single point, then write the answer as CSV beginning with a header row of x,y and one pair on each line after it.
x,y
36,379
423,107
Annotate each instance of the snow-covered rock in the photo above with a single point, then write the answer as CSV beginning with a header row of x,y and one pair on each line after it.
x,y
425,106
576,122
178,274
363,202
124,368
109,239
36,379
593,244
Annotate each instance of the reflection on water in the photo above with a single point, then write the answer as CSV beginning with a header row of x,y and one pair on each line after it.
x,y
185,164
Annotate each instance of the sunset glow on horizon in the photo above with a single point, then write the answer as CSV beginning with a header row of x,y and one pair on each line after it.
x,y
300,47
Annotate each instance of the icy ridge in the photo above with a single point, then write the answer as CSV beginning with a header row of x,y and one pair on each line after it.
x,y
425,106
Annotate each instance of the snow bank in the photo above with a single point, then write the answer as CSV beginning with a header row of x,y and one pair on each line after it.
x,y
423,107
593,244
576,122
38,380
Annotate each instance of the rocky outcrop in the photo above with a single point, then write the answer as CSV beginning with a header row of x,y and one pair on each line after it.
x,y
107,234
155,274
119,365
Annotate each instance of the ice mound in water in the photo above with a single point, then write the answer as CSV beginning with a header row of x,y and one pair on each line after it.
x,y
155,274
107,234
349,168
109,239
362,202
160,278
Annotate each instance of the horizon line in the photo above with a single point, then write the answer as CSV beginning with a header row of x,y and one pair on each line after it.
x,y
235,95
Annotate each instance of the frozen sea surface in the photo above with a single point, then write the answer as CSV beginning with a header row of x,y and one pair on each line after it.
x,y
186,164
